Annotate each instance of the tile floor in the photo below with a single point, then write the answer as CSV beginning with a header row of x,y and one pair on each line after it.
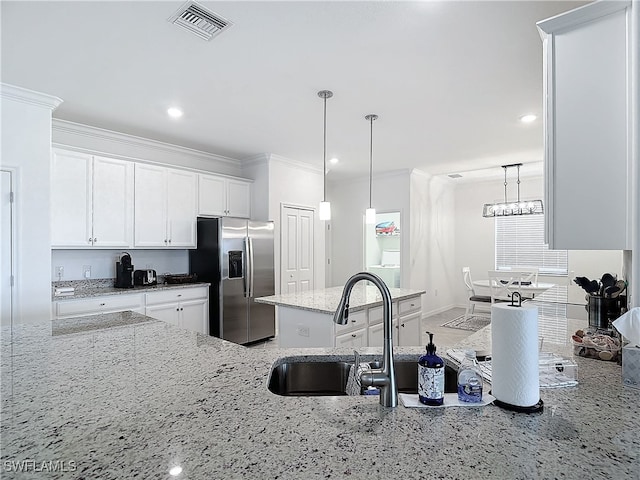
x,y
441,335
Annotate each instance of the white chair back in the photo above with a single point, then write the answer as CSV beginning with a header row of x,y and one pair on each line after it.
x,y
504,283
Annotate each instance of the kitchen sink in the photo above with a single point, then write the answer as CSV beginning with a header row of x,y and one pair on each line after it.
x,y
314,379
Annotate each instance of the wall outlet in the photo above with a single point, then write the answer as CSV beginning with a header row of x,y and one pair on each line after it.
x,y
86,271
60,272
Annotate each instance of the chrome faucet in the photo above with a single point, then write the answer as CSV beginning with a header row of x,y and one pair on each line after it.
x,y
385,377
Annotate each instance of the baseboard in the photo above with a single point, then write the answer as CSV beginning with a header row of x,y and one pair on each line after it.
x,y
439,310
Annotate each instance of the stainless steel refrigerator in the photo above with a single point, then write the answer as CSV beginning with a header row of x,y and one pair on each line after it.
x,y
235,255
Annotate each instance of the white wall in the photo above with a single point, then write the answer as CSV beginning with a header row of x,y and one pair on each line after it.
x,y
349,198
103,262
433,241
475,239
287,182
26,148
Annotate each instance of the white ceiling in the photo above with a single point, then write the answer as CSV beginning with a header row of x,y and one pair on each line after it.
x,y
447,79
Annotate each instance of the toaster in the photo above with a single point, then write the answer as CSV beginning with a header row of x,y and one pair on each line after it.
x,y
145,277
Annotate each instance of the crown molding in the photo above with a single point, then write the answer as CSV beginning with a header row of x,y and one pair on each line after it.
x,y
31,97
65,126
272,157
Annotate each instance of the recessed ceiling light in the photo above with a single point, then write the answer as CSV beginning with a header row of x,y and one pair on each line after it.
x,y
333,161
528,118
175,471
174,112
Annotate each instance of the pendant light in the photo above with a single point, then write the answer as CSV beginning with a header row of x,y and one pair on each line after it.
x,y
507,209
370,213
324,212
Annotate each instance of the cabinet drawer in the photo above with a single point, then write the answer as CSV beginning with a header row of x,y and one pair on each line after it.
x,y
410,305
88,306
356,320
377,313
176,295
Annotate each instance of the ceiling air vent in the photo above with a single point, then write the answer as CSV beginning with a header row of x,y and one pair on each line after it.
x,y
454,175
197,19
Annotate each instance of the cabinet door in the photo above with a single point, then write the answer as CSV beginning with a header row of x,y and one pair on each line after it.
x,y
194,316
212,198
376,334
168,312
587,127
181,208
71,200
355,339
150,206
409,331
112,203
238,199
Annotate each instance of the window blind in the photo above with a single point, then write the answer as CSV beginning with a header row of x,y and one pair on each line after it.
x,y
520,243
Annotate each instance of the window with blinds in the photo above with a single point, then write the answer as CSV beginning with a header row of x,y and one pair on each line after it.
x,y
520,243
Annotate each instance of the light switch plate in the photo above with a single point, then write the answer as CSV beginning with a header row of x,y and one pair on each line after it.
x,y
86,271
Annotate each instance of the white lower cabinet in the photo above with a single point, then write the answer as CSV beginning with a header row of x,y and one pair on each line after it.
x,y
96,305
357,338
186,307
299,328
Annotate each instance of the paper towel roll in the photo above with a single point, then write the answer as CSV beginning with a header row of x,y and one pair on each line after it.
x,y
514,354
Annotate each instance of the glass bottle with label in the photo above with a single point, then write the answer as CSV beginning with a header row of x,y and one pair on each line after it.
x,y
469,379
431,376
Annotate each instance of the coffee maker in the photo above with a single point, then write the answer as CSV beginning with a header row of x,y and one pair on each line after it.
x,y
124,272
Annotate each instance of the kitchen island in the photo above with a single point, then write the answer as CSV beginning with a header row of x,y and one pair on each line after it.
x,y
305,319
125,396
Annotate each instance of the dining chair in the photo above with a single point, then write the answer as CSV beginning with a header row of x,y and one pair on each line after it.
x,y
504,283
527,274
474,298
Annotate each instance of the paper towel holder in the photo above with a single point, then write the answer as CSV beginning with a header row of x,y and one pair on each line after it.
x,y
512,304
538,407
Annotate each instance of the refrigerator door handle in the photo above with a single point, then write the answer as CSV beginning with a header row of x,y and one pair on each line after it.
x,y
246,277
250,269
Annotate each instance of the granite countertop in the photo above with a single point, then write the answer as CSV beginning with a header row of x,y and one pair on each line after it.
x,y
101,287
123,396
326,300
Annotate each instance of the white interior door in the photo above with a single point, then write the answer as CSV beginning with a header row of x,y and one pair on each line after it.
x,y
6,256
297,258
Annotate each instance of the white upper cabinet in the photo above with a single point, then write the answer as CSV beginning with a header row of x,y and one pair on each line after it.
x,y
112,203
91,201
588,127
165,207
181,208
220,196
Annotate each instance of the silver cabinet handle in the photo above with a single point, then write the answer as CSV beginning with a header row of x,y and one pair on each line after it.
x,y
165,240
353,335
95,239
102,304
169,240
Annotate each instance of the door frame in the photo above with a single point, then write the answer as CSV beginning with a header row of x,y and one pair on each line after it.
x,y
13,176
284,205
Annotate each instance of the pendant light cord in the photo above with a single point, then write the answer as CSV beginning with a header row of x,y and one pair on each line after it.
x,y
371,160
324,154
371,117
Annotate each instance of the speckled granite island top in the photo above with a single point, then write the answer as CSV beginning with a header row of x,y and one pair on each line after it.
x,y
123,396
326,300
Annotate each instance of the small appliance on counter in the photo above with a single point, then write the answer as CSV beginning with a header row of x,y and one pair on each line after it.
x,y
145,277
124,272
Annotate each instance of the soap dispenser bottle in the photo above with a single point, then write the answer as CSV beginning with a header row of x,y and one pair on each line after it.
x,y
431,376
